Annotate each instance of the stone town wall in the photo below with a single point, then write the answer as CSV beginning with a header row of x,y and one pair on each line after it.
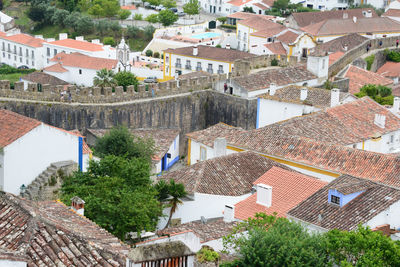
x,y
108,94
360,50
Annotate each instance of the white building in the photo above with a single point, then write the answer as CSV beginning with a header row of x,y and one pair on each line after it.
x,y
7,23
76,68
29,147
338,206
200,58
326,5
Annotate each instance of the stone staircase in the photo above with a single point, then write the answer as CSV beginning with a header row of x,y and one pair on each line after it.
x,y
46,185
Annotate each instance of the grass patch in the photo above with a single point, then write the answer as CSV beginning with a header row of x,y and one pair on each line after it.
x,y
13,77
49,31
137,44
18,12
370,59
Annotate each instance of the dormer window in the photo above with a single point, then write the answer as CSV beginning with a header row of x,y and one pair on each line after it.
x,y
335,200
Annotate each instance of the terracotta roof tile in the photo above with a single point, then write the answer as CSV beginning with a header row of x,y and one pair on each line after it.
x,y
280,76
350,40
213,230
83,61
316,209
269,3
392,13
346,26
230,175
335,56
261,23
25,39
288,37
212,53
288,189
245,15
56,68
80,45
306,18
276,48
390,69
13,126
131,7
360,77
43,78
50,234
239,2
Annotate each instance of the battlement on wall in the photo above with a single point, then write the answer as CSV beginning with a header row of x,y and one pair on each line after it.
x,y
76,94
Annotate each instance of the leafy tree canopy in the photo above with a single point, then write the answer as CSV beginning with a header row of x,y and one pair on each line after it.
x,y
167,17
125,78
192,7
104,78
379,93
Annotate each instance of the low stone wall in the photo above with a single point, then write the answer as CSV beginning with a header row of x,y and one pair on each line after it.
x,y
360,50
108,94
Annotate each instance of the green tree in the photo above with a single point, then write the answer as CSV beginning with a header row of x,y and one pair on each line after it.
x,y
167,17
192,7
126,78
118,195
152,18
84,25
176,193
222,19
148,32
248,9
111,7
104,78
120,142
149,53
362,247
124,14
109,41
168,3
36,12
84,5
156,55
379,93
96,10
59,17
138,16
132,31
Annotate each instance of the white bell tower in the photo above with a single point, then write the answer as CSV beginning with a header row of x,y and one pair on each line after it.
x,y
123,54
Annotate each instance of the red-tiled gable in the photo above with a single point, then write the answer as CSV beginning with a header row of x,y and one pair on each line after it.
x,y
50,234
261,6
288,37
360,77
82,61
239,2
79,45
56,68
205,231
306,18
43,78
276,48
390,69
131,7
25,39
346,26
288,189
210,53
392,13
230,175
261,24
269,31
13,126
281,76
335,56
316,209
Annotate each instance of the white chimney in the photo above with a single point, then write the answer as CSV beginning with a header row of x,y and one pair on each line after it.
x,y
335,97
229,213
39,37
396,105
79,38
220,147
95,41
62,36
272,88
78,205
368,14
345,47
303,93
264,195
195,50
228,46
355,19
50,39
380,120
345,15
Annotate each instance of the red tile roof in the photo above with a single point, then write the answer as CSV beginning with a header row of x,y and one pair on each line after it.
x,y
13,126
79,60
131,7
80,45
392,13
25,39
262,23
335,56
360,77
276,48
288,189
261,6
288,37
246,15
239,2
269,3
390,69
56,68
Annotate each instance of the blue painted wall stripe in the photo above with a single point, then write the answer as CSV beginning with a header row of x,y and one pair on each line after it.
x,y
258,112
80,154
173,162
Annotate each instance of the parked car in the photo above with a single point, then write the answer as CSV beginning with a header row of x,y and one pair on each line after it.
x,y
174,9
181,14
146,5
159,8
23,67
151,79
153,7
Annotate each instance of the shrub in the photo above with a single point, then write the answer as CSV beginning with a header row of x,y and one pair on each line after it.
x,y
149,53
156,55
207,254
228,26
109,41
393,56
138,17
218,45
370,59
274,62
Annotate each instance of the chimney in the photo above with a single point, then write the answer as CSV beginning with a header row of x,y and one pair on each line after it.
x,y
228,46
264,195
220,147
345,47
39,37
229,213
78,205
355,19
380,120
396,105
303,93
368,14
195,50
345,15
79,38
272,88
62,36
95,41
335,94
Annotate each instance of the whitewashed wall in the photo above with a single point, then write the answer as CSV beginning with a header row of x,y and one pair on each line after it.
x,y
1,171
190,239
9,263
388,216
27,157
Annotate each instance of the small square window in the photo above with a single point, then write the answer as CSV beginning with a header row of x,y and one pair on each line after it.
x,y
335,200
80,71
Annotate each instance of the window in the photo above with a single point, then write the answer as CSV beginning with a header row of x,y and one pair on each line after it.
x,y
178,63
210,68
245,36
4,46
27,62
203,153
219,9
33,63
33,54
15,49
391,138
4,54
323,64
335,200
188,66
55,51
15,58
27,52
198,68
220,69
9,49
48,51
80,71
20,51
9,56
20,59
